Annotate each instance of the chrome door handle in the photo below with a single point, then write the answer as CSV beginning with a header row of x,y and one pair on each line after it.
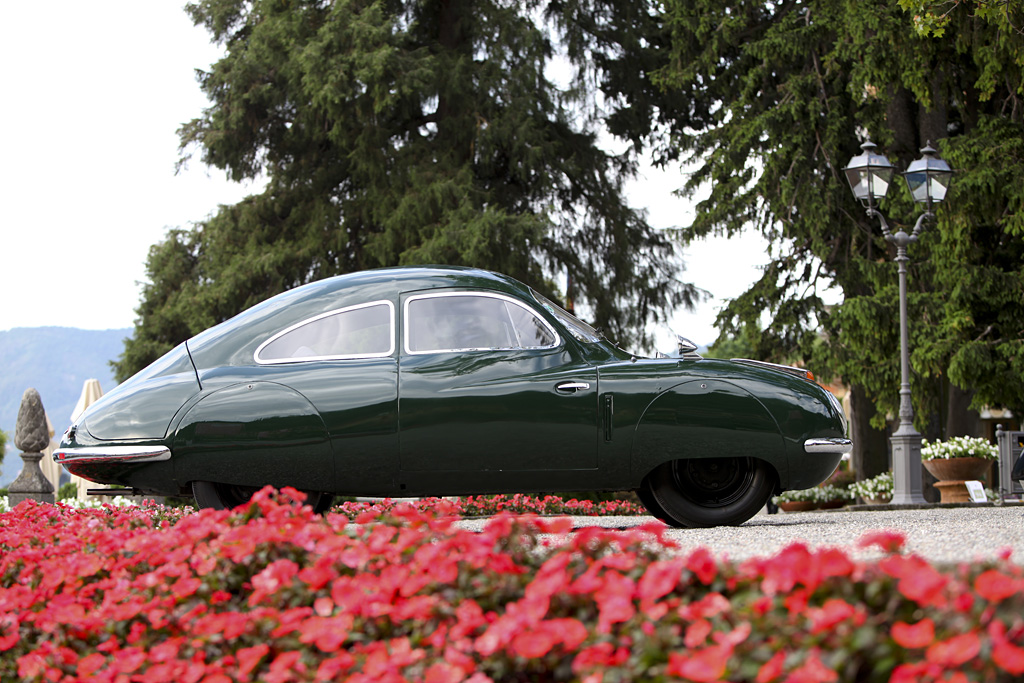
x,y
572,387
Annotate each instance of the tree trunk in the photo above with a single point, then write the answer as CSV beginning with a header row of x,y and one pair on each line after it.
x,y
870,447
960,419
901,117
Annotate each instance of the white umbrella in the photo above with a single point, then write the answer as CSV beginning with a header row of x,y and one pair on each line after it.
x,y
51,470
91,392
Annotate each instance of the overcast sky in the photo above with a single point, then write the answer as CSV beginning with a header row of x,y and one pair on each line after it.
x,y
94,95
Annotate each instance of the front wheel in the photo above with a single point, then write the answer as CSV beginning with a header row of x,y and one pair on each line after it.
x,y
706,492
211,494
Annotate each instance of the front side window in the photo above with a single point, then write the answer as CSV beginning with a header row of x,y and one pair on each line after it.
x,y
469,322
364,331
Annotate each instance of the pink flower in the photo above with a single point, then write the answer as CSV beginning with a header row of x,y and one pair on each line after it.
x,y
659,579
915,636
995,586
702,563
772,669
954,652
812,671
1009,657
273,578
889,541
703,666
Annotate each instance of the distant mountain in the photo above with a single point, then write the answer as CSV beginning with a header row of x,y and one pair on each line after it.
x,y
55,361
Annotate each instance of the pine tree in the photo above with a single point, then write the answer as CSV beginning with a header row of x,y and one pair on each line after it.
x,y
406,133
780,95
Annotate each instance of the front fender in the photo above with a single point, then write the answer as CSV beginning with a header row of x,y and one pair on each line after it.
x,y
254,434
707,418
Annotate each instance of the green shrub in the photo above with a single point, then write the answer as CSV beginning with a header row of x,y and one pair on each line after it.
x,y
67,491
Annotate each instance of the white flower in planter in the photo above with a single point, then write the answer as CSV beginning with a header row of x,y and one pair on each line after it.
x,y
959,447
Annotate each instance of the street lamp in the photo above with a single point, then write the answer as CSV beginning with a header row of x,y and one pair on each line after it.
x,y
869,175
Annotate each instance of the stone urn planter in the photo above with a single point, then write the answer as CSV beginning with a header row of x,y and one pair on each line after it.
x,y
952,474
797,505
956,460
963,469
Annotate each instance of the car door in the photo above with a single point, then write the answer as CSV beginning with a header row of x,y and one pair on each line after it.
x,y
344,363
486,387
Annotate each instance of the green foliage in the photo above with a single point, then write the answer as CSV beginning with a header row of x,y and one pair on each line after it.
x,y
730,347
780,96
67,491
3,444
408,133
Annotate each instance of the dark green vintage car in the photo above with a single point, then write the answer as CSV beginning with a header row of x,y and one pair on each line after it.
x,y
446,381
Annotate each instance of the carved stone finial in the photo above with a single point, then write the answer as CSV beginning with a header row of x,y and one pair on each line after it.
x,y
31,434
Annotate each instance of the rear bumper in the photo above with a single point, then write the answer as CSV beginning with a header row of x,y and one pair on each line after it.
x,y
835,445
111,454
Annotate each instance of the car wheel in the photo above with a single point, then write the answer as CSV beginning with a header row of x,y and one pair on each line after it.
x,y
705,492
211,494
651,503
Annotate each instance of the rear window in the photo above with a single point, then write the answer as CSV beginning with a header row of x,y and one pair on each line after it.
x,y
364,331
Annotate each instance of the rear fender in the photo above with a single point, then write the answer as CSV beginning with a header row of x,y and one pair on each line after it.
x,y
254,434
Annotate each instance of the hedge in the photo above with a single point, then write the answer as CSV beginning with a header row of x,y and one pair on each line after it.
x,y
275,593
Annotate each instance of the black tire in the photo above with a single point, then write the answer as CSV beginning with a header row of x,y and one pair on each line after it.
x,y
706,492
211,494
651,503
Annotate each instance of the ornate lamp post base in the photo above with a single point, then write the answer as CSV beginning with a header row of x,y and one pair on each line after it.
x,y
906,467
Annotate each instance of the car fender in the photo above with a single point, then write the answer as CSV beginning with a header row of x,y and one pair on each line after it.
x,y
254,434
706,418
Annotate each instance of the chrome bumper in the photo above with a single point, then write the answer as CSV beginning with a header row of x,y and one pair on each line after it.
x,y
841,446
112,454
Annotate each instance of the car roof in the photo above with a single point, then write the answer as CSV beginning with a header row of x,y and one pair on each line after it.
x,y
234,341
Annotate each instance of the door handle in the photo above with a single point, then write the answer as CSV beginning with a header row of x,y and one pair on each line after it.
x,y
572,387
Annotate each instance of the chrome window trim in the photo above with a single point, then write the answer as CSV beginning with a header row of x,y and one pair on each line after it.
x,y
337,311
490,295
112,453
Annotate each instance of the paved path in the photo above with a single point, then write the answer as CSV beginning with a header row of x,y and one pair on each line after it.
x,y
940,534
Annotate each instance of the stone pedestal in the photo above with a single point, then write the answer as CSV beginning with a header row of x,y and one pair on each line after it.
x,y
30,484
31,436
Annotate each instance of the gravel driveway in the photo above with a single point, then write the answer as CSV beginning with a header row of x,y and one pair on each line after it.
x,y
941,534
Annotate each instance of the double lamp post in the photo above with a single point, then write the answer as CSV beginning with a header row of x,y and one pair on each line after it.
x,y
928,178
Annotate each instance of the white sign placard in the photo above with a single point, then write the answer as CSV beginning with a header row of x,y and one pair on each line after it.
x,y
977,491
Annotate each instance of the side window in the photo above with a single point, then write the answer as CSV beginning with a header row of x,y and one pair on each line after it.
x,y
532,332
356,332
463,322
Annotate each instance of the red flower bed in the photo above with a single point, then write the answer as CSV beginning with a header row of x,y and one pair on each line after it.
x,y
486,506
274,593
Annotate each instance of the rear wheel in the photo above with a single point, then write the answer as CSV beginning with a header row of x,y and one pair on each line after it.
x,y
211,494
705,492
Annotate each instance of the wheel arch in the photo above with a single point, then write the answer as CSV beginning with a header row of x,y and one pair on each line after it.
x,y
254,434
707,418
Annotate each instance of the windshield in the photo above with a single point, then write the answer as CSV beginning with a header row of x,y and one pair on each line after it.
x,y
576,327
